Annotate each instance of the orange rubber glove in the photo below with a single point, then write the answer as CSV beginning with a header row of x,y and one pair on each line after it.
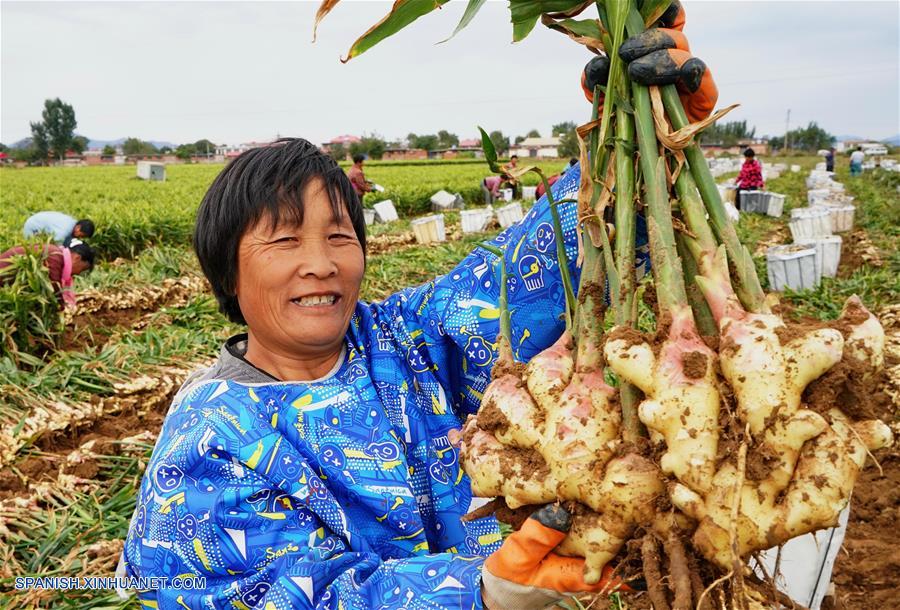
x,y
662,56
524,573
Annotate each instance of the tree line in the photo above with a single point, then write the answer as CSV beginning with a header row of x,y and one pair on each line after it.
x,y
54,135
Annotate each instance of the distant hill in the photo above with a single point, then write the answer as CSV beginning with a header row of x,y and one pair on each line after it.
x,y
893,140
96,144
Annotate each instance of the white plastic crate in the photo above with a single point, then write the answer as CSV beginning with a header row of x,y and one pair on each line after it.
x,y
727,192
475,221
791,266
795,168
815,196
442,200
754,201
821,166
842,217
429,229
369,216
810,222
828,253
775,207
385,211
506,194
528,193
510,214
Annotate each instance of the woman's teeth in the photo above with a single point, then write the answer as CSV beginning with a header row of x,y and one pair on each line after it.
x,y
316,300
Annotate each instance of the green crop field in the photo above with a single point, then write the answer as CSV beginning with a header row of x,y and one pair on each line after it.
x,y
133,214
81,404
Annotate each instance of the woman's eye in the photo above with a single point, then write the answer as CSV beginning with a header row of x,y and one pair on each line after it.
x,y
341,236
286,239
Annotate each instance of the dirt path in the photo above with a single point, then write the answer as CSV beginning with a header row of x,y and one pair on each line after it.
x,y
867,573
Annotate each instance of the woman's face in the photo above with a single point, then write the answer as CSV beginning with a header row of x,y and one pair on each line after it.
x,y
298,285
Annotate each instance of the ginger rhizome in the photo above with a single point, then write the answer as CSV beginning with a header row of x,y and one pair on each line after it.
x,y
713,444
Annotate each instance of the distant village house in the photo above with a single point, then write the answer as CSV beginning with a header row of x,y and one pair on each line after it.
x,y
541,148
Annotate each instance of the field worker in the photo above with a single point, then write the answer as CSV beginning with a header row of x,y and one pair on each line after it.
x,y
750,177
539,191
490,188
357,178
509,181
61,226
829,160
315,464
62,263
856,161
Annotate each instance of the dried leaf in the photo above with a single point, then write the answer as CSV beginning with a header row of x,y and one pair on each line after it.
x,y
682,138
324,9
588,32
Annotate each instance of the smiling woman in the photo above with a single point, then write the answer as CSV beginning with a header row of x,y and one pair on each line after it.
x,y
299,283
316,460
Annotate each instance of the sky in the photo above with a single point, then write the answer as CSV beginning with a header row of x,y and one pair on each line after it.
x,y
237,72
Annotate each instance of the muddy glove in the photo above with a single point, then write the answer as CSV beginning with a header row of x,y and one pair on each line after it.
x,y
524,574
661,56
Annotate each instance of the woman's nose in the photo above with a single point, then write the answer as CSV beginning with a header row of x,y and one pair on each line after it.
x,y
317,260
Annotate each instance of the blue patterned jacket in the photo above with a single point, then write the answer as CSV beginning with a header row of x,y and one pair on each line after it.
x,y
346,492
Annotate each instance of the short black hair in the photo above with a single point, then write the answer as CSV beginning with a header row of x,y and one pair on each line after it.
x,y
572,161
513,157
749,153
85,252
268,180
358,158
86,226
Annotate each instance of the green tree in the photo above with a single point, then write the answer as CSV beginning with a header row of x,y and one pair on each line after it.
x,y
56,131
80,144
166,150
808,139
28,155
371,145
534,133
185,151
728,133
500,142
40,143
562,128
135,146
568,138
205,147
447,139
338,151
424,141
108,151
